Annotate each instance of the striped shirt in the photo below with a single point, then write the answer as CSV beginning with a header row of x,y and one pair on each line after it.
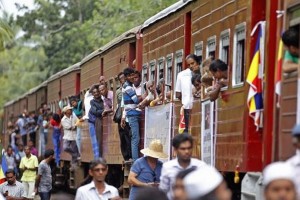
x,y
169,172
16,190
130,100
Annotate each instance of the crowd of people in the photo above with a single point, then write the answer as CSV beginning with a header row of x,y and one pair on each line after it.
x,y
178,179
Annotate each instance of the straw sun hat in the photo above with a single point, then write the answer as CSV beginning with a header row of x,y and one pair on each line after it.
x,y
155,150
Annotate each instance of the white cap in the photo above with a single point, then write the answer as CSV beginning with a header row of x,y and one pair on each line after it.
x,y
278,170
202,181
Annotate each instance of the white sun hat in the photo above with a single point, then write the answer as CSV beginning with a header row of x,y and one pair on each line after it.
x,y
155,150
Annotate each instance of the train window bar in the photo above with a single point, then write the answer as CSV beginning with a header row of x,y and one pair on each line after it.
x,y
198,50
211,47
225,49
145,73
238,66
178,65
168,72
160,68
152,70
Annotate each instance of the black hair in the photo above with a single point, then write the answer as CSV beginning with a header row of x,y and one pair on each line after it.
x,y
150,193
138,73
218,65
96,86
194,57
121,73
196,77
48,153
185,172
98,161
291,37
127,71
180,138
10,171
56,117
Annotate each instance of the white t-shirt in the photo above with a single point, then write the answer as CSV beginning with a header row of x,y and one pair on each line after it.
x,y
87,104
185,87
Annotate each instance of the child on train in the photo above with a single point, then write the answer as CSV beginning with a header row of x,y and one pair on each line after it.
x,y
290,39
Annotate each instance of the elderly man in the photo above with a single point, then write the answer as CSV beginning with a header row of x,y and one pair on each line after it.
x,y
97,189
107,98
206,184
69,140
295,160
12,189
279,181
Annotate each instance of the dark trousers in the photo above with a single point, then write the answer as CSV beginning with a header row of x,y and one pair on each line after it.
x,y
32,137
187,115
45,195
125,141
24,139
99,134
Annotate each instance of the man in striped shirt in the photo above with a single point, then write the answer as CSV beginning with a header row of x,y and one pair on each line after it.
x,y
131,100
12,189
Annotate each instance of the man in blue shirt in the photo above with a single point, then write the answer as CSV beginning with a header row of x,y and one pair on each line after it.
x,y
131,100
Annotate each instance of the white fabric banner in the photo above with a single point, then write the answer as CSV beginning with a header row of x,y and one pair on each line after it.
x,y
158,121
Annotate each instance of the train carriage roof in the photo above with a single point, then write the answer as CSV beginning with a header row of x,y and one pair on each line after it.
x,y
65,71
33,90
166,12
123,37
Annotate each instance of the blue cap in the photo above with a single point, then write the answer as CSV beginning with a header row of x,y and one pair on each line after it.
x,y
296,130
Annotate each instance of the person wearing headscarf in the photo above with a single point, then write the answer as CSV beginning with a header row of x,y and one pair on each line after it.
x,y
279,182
206,183
295,160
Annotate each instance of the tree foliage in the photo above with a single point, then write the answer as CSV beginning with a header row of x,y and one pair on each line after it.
x,y
59,33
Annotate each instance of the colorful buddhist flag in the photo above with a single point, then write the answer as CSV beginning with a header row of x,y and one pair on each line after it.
x,y
279,72
3,168
255,80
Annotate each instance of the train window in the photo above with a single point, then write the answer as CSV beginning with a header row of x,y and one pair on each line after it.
x,y
152,70
239,55
211,47
160,68
178,64
199,50
224,45
168,76
145,73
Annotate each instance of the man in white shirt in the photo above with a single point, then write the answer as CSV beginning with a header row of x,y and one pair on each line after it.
x,y
184,87
97,189
295,160
183,146
69,140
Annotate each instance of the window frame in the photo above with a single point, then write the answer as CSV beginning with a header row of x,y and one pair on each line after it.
x,y
169,76
211,38
225,33
177,54
145,69
152,63
161,60
239,27
199,45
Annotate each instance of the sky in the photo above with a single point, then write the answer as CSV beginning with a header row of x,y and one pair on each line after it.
x,y
9,5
